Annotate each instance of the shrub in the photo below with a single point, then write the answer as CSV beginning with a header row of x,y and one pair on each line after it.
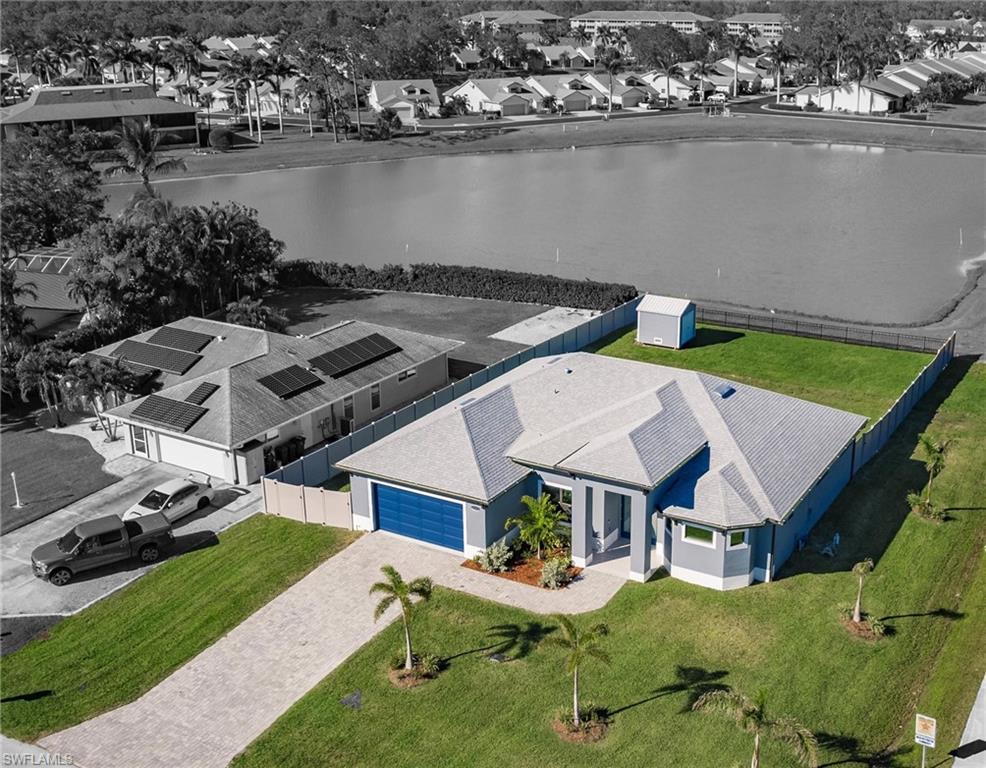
x,y
396,660
451,280
554,574
811,107
923,507
221,139
877,627
495,558
429,665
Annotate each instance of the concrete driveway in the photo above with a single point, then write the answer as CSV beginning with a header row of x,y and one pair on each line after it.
x,y
23,594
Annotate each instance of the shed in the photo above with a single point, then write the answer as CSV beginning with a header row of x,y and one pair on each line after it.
x,y
665,321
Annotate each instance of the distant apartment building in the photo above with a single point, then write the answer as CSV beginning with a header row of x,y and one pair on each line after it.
x,y
769,25
918,28
521,22
685,22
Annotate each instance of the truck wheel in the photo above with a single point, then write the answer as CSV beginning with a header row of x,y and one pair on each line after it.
x,y
203,503
149,553
60,577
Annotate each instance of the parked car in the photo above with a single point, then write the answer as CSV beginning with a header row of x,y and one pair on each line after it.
x,y
100,542
174,499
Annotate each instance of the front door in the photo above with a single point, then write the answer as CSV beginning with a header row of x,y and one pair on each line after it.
x,y
624,517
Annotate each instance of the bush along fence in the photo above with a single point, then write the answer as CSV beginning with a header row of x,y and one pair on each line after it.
x,y
448,280
871,441
315,468
816,330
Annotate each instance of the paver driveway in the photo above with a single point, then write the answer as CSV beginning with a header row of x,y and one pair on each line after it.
x,y
218,703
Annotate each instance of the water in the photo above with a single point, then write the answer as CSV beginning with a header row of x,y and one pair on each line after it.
x,y
863,233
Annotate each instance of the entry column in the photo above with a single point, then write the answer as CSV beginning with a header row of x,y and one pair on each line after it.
x,y
581,523
640,535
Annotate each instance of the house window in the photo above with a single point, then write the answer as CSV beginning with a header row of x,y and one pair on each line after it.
x,y
375,396
140,440
698,535
347,408
561,496
736,539
407,374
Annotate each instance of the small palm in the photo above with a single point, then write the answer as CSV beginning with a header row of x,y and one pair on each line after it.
x,y
539,526
580,645
395,590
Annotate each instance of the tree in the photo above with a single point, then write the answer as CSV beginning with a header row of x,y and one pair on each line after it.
x,y
860,62
580,645
548,103
751,716
934,459
155,56
39,371
44,62
137,154
323,81
388,121
395,590
13,323
92,382
610,60
279,68
253,314
656,47
539,525
860,570
779,56
739,45
238,70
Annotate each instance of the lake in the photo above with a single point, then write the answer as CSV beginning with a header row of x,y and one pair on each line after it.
x,y
863,233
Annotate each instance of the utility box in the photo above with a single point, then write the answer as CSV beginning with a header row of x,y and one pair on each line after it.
x,y
664,321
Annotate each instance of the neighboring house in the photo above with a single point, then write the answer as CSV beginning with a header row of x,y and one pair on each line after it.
x,y
685,22
680,87
657,467
236,402
45,273
505,96
521,22
876,96
628,89
918,28
102,108
408,98
466,59
768,25
571,93
665,321
749,75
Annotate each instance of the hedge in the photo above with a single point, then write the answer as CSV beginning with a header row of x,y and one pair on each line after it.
x,y
446,280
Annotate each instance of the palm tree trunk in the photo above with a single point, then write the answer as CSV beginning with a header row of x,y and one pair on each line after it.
x,y
735,74
104,423
311,128
280,108
857,611
780,71
408,660
755,763
359,120
610,92
931,479
576,720
260,130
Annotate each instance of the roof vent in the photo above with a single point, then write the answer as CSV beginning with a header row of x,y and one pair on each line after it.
x,y
220,338
568,370
724,390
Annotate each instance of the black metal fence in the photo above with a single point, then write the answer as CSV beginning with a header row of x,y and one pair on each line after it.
x,y
816,330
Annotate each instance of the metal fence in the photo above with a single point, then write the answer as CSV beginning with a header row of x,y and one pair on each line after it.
x,y
315,468
871,441
816,330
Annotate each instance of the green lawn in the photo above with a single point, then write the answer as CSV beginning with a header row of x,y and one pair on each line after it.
x,y
112,652
864,380
670,638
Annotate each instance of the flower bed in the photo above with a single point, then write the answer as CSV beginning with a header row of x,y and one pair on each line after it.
x,y
522,570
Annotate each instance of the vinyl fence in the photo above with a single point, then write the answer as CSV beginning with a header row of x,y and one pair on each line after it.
x,y
871,441
815,330
307,505
315,468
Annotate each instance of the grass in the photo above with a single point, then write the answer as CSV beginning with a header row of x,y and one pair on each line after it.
x,y
119,648
864,380
670,640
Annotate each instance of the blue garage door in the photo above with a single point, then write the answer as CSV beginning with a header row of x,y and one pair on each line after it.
x,y
418,516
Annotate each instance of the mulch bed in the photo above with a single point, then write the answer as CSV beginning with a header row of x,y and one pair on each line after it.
x,y
404,679
587,734
526,571
861,630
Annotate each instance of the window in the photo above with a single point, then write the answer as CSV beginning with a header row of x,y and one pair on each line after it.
x,y
110,537
347,408
140,440
693,533
375,396
736,539
407,374
561,496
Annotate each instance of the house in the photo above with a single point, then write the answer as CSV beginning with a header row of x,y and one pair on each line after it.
x,y
715,481
102,108
680,87
521,22
876,96
570,92
665,321
685,22
466,59
629,89
504,96
768,25
919,28
408,98
236,402
45,273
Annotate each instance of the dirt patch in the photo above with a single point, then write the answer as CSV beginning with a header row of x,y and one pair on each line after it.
x,y
587,733
526,571
861,629
403,678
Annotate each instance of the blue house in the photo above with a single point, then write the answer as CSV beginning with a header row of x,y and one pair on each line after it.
x,y
654,466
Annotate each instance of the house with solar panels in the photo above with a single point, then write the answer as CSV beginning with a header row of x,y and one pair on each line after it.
x,y
236,402
655,467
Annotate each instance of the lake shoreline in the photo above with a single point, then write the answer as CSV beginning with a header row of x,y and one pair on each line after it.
x,y
297,151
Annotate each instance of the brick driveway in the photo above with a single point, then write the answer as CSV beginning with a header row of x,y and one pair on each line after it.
x,y
217,704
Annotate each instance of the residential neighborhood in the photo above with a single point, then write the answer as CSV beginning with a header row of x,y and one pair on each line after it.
x,y
455,384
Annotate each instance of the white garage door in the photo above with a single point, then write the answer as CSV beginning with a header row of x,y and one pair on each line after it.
x,y
199,458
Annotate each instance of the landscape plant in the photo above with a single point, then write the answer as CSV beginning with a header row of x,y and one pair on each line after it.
x,y
554,573
221,139
860,570
580,645
752,717
539,525
94,383
934,459
137,154
495,558
395,590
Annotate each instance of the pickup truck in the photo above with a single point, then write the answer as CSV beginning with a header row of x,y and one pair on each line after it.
x,y
100,542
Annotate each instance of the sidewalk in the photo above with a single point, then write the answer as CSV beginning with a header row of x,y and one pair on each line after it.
x,y
975,730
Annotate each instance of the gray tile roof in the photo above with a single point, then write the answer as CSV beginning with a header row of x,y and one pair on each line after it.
x,y
740,460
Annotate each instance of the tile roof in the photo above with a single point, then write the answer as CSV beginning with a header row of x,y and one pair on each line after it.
x,y
89,102
742,459
629,16
47,290
386,89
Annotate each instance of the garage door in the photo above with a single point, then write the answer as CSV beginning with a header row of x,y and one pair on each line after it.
x,y
418,516
200,458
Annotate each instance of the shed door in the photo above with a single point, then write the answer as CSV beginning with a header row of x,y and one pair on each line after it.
x,y
419,516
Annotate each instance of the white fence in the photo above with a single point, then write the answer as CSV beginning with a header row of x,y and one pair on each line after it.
x,y
307,505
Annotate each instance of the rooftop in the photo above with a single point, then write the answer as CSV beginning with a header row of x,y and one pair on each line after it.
x,y
91,102
657,16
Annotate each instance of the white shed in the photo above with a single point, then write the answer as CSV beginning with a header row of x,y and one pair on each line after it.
x,y
665,321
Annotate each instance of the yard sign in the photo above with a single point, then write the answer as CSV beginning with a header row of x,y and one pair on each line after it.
x,y
924,731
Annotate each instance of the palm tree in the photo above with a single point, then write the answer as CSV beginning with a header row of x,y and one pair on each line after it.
x,y
860,570
93,381
779,56
548,103
303,92
859,64
279,67
85,54
934,459
581,645
611,61
751,715
157,56
539,525
701,72
183,55
115,55
258,72
39,370
580,36
137,154
44,62
395,590
739,46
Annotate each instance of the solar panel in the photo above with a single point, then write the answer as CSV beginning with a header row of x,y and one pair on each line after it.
x,y
201,393
355,355
168,413
153,356
179,338
290,381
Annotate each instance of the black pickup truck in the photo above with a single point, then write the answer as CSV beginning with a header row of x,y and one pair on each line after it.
x,y
100,542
